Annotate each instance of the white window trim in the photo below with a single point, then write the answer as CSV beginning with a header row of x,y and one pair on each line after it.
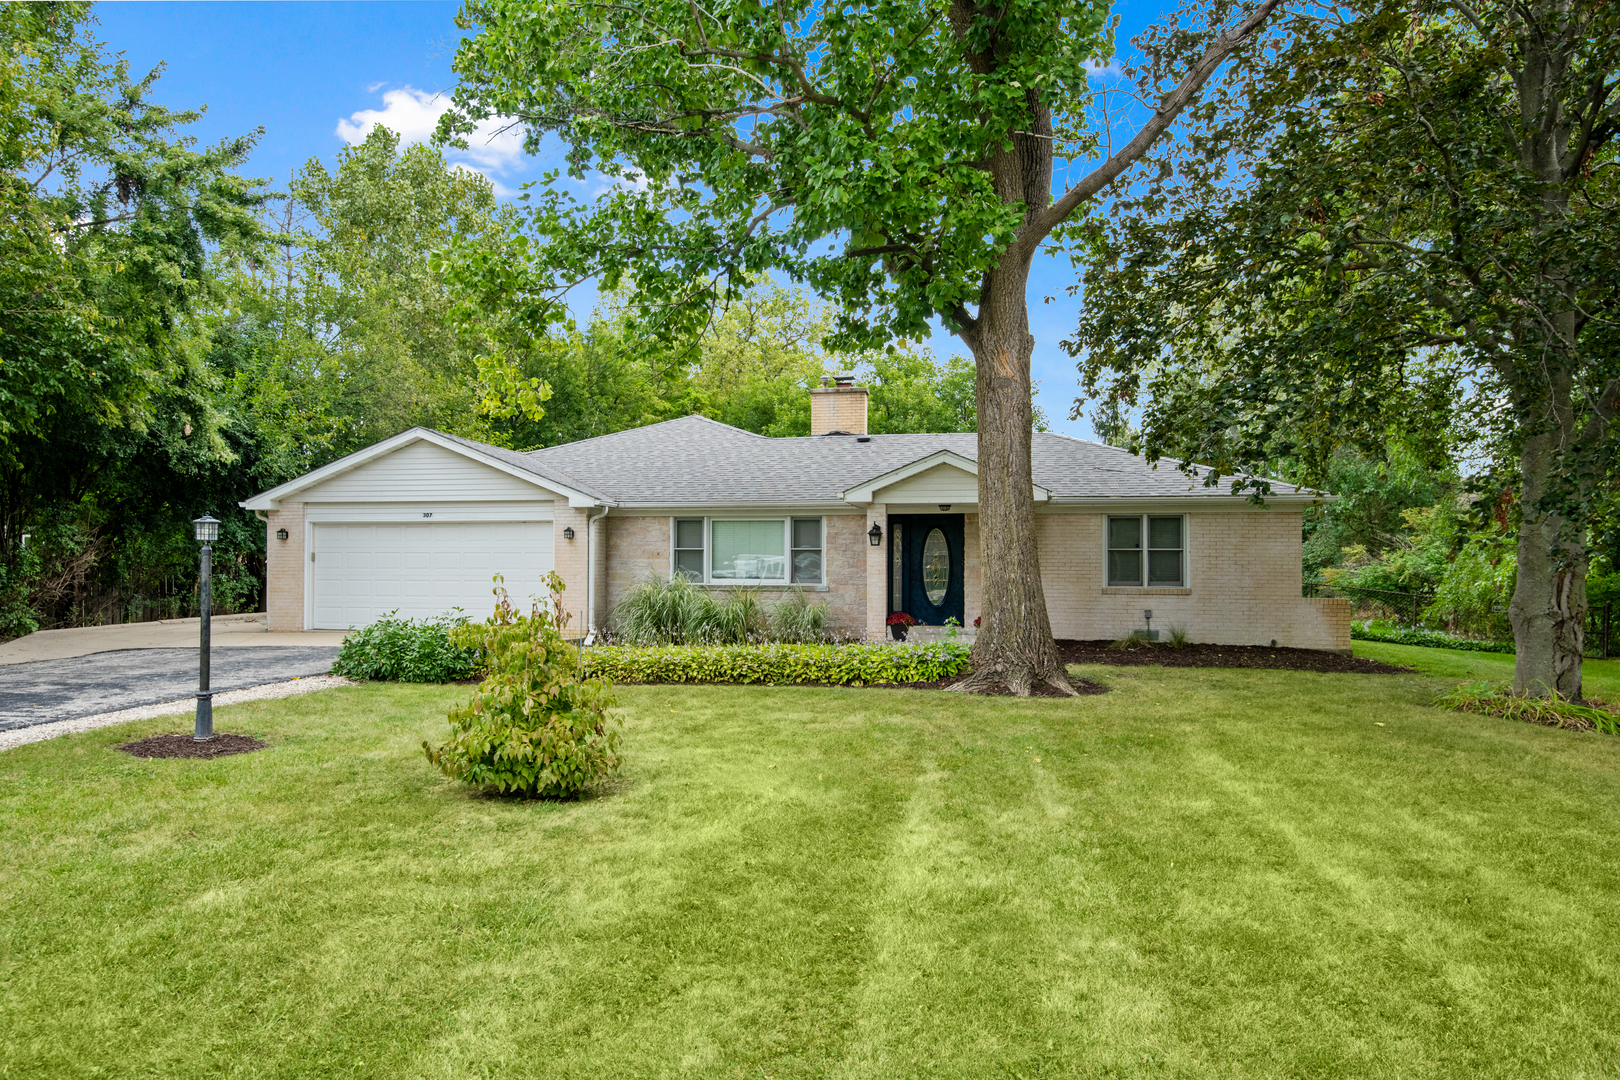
x,y
787,549
1186,553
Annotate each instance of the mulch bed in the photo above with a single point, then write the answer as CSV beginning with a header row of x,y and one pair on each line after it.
x,y
184,746
1226,656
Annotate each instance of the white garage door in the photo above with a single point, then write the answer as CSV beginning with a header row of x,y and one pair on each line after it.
x,y
362,572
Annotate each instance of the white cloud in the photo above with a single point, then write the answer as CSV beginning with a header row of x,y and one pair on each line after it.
x,y
496,144
374,87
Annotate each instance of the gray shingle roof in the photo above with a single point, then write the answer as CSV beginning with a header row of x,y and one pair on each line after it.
x,y
695,460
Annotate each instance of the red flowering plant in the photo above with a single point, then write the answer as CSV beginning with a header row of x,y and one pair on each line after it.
x,y
976,620
900,618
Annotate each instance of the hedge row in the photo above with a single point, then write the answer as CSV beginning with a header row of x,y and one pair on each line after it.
x,y
1426,638
843,665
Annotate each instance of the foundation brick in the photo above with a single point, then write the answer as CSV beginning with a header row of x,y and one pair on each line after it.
x,y
284,568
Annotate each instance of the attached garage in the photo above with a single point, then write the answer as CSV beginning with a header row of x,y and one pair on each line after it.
x,y
417,524
360,572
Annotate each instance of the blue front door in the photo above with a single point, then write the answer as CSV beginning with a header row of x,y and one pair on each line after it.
x,y
926,553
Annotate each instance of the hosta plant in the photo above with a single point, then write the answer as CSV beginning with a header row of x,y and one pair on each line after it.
x,y
538,724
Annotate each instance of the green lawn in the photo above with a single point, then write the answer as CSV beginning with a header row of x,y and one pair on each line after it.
x,y
1204,873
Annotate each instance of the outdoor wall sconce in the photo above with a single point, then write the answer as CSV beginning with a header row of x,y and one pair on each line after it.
x,y
944,507
875,534
281,534
568,533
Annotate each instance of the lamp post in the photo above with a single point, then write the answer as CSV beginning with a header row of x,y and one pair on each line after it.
x,y
207,532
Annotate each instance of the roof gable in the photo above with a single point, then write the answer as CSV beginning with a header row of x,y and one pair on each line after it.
x,y
347,478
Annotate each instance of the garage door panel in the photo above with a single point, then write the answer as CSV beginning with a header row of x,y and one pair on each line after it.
x,y
362,572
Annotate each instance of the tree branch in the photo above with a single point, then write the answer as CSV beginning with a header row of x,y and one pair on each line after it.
x,y
1170,107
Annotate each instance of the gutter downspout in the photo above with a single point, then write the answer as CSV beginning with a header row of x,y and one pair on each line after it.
x,y
590,576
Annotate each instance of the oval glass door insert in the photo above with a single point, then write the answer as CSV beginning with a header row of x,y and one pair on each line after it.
x,y
936,567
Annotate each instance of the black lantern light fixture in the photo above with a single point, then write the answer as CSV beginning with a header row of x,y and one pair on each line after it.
x,y
568,533
207,531
281,534
875,534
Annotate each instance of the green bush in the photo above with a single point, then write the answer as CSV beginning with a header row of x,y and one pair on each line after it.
x,y
798,621
407,650
1557,711
843,665
659,612
676,612
538,724
1382,630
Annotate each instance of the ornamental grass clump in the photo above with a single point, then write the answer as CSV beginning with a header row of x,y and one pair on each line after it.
x,y
538,724
1557,711
798,621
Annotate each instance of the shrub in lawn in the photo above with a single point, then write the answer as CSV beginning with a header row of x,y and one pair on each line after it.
x,y
538,724
407,650
798,621
842,665
1557,711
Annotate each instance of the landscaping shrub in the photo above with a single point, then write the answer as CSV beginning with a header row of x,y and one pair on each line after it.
x,y
1557,711
538,723
798,621
659,612
843,665
677,612
1379,630
407,650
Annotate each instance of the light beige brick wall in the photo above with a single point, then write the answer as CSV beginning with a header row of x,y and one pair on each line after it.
x,y
972,569
877,574
639,546
1243,584
284,568
838,408
569,562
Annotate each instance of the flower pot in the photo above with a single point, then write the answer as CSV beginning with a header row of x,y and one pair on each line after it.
x,y
897,632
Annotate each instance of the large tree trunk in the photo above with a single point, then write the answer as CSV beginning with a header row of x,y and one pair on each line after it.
x,y
1548,609
1014,645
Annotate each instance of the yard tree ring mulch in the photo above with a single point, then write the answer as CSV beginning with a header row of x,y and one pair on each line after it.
x,y
1278,658
184,746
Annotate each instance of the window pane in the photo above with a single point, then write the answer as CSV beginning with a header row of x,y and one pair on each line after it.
x,y
895,599
1164,532
1164,568
806,532
1125,532
689,533
690,563
936,567
748,550
1124,568
807,567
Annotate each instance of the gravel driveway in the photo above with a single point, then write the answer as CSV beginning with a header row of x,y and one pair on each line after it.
x,y
50,690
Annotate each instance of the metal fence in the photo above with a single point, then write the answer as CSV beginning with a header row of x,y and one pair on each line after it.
x,y
1407,608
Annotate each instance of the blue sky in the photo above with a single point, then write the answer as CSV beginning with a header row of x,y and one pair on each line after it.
x,y
312,74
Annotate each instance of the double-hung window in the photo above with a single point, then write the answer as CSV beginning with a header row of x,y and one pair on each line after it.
x,y
1147,550
761,551
688,553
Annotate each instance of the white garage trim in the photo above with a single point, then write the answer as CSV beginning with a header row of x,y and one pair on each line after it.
x,y
428,511
359,571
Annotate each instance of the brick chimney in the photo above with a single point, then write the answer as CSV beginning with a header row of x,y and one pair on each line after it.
x,y
838,405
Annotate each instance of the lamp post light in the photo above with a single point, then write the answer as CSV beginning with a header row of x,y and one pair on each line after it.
x,y
207,532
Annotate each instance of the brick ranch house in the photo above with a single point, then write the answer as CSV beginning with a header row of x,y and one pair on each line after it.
x,y
871,523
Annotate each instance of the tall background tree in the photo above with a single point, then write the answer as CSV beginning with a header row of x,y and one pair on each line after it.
x,y
1402,228
108,408
897,156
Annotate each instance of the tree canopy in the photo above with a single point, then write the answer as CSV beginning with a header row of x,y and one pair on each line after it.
x,y
1400,226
